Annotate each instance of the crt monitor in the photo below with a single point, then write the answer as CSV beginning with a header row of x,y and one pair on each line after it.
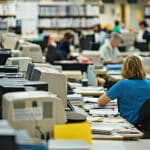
x,y
32,50
35,111
94,56
57,82
22,62
9,40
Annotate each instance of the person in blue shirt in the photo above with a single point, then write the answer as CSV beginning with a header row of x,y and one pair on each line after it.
x,y
40,37
131,92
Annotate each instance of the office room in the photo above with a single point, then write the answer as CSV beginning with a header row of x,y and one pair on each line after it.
x,y
74,74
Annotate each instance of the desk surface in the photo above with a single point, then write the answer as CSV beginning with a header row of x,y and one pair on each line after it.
x,y
135,52
121,145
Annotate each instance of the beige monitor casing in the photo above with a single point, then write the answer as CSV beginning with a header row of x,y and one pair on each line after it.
x,y
57,82
94,56
32,50
22,62
9,40
22,113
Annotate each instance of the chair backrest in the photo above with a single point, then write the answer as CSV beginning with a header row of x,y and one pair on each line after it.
x,y
84,43
144,119
141,46
45,42
53,54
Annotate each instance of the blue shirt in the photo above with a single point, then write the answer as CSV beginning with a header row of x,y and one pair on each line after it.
x,y
131,95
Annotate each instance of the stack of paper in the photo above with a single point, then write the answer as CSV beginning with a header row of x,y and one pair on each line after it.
x,y
104,112
98,129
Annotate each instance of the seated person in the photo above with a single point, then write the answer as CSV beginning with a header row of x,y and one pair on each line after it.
x,y
143,34
65,43
109,51
40,37
131,92
100,34
143,37
53,54
116,27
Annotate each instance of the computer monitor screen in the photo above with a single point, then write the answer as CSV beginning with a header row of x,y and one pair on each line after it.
x,y
29,71
90,37
108,1
4,55
132,1
7,142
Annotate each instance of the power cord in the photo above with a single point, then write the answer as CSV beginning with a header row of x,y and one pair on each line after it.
x,y
42,136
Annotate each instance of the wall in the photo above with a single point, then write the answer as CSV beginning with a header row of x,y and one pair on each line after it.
x,y
133,13
111,13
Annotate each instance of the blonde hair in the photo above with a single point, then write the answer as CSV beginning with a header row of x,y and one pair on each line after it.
x,y
133,68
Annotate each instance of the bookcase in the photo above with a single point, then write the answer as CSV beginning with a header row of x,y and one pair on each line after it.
x,y
7,15
147,13
61,17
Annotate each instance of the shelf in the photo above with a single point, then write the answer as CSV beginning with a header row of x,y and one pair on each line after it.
x,y
68,16
145,16
7,15
58,4
3,29
63,28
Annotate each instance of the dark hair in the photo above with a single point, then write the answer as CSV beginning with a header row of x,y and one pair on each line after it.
x,y
97,28
68,36
117,22
144,23
40,30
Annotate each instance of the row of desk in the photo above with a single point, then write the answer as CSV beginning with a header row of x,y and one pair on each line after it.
x,y
113,141
118,128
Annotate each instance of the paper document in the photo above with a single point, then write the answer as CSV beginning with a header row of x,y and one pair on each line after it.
x,y
90,99
104,112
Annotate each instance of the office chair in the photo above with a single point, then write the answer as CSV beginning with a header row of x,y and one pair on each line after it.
x,y
94,46
144,119
90,37
53,54
84,43
142,46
